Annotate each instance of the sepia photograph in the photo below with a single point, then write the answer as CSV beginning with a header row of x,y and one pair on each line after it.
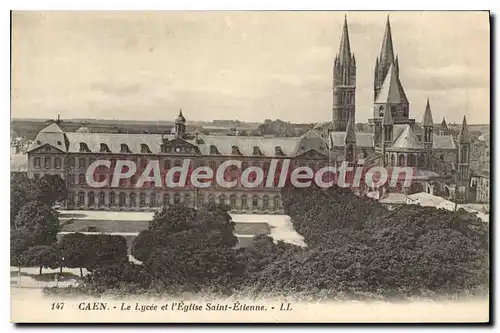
x,y
250,167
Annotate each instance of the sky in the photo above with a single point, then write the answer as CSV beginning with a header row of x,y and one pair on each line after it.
x,y
248,66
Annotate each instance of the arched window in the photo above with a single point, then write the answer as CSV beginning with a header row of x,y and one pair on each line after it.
x,y
265,202
277,202
132,200
36,162
81,162
91,199
177,199
124,148
393,163
57,163
232,201
201,200
211,198
401,160
47,162
166,199
81,198
142,200
71,162
112,199
441,157
412,160
81,179
244,204
464,155
166,164
102,200
421,160
222,199
152,200
255,202
122,199
212,165
187,199
381,111
71,199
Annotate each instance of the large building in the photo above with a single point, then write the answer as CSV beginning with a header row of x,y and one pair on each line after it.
x,y
394,139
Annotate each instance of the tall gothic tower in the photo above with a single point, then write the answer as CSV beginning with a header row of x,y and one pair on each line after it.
x,y
344,84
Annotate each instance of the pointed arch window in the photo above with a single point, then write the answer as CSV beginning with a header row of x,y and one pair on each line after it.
x,y
244,204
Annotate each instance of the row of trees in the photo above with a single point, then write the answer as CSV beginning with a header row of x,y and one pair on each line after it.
x,y
355,247
33,220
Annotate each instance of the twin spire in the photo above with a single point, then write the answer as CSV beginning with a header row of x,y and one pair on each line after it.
x,y
345,45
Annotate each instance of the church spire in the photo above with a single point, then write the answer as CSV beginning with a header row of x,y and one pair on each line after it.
x,y
463,136
443,130
428,122
345,46
344,83
387,50
350,133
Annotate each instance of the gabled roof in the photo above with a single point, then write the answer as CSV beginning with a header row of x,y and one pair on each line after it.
x,y
443,142
392,91
407,140
52,128
51,135
363,140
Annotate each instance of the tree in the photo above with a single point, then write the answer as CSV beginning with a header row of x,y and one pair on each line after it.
x,y
50,188
43,256
73,251
22,190
20,241
39,219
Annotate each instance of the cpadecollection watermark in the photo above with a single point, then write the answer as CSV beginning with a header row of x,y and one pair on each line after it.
x,y
230,174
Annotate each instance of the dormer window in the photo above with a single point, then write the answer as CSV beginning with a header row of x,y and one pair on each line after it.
x,y
84,148
235,150
38,142
214,150
124,148
256,151
278,151
59,143
145,149
104,148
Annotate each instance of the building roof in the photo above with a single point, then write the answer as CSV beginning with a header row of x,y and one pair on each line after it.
x,y
268,146
51,135
362,139
443,142
392,91
407,140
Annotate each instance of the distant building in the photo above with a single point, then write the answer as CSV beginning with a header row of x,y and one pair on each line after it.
x,y
19,163
481,183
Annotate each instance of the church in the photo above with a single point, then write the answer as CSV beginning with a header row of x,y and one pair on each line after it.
x,y
394,139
